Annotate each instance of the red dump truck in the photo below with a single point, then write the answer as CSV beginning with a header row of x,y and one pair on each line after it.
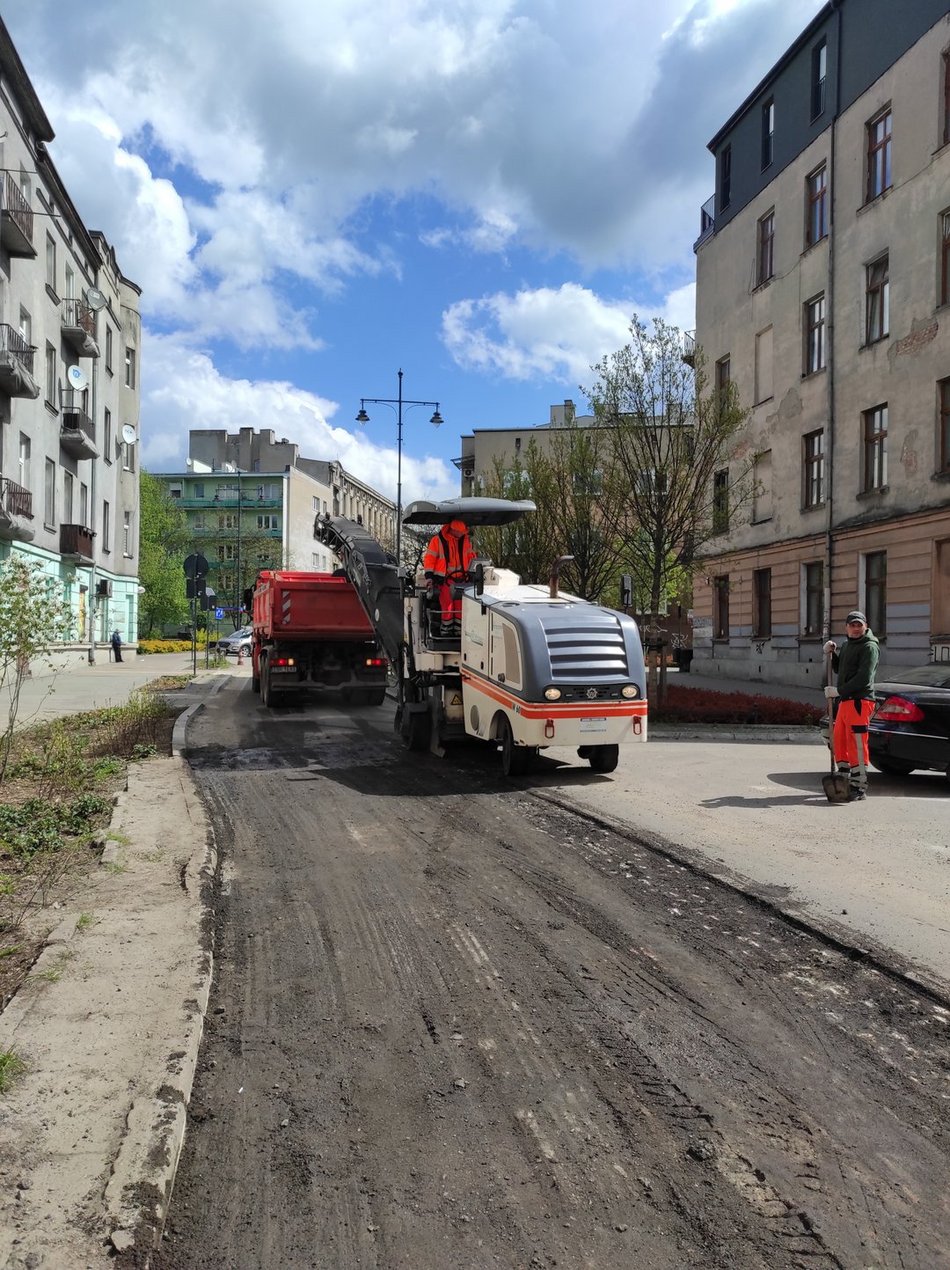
x,y
311,631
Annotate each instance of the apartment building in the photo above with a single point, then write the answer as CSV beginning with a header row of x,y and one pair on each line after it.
x,y
250,501
70,335
482,448
823,293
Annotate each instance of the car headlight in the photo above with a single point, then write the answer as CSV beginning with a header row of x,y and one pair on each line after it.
x,y
629,691
552,694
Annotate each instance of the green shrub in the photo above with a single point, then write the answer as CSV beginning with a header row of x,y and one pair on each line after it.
x,y
146,646
39,825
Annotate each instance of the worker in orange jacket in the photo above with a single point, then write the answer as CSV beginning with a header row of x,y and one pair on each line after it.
x,y
448,558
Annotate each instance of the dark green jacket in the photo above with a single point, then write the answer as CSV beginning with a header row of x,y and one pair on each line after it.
x,y
855,664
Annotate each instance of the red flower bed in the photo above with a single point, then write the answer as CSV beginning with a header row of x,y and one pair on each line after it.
x,y
702,705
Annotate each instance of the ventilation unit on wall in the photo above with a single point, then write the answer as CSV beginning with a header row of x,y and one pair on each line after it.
x,y
104,588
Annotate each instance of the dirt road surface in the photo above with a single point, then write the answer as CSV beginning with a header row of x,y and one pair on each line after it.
x,y
453,1025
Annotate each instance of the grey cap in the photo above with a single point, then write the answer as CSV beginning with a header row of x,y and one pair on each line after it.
x,y
856,616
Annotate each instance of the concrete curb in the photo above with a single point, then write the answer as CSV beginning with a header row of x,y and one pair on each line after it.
x,y
746,733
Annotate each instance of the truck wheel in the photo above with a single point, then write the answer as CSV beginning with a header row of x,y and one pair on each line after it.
x,y
604,758
415,730
515,759
267,692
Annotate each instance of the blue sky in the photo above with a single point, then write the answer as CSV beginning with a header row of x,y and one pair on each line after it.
x,y
315,193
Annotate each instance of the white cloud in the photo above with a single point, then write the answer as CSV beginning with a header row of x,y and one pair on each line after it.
x,y
182,389
549,334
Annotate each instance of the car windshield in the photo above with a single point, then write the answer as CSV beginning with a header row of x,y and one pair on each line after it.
x,y
925,676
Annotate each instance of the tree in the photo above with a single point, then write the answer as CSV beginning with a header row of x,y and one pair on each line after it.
x,y
676,445
163,544
33,617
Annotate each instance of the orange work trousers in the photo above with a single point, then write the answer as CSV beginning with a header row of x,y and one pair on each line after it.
x,y
851,715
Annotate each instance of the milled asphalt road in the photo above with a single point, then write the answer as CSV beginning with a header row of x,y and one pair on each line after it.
x,y
873,876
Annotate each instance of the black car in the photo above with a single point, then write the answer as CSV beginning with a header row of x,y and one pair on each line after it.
x,y
910,729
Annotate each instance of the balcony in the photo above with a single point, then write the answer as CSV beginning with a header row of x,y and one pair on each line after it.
x,y
75,542
16,510
707,222
16,219
79,327
689,348
77,435
16,364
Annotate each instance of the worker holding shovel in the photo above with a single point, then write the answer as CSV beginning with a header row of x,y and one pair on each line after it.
x,y
854,665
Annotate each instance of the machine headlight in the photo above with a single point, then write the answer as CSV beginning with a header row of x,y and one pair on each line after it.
x,y
629,691
552,694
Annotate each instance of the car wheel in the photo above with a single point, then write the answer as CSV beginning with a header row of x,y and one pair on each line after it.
x,y
893,766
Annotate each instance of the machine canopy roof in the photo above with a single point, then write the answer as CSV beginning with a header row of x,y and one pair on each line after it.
x,y
474,511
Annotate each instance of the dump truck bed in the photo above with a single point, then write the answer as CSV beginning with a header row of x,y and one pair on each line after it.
x,y
302,605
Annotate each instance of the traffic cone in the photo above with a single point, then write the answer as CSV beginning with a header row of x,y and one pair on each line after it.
x,y
240,660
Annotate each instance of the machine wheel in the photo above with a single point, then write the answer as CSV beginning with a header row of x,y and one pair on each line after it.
x,y
267,692
893,766
515,759
604,758
415,730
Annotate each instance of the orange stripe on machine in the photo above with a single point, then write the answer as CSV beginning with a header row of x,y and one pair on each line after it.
x,y
557,709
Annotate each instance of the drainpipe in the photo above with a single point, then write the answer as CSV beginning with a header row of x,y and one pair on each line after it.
x,y
829,532
93,605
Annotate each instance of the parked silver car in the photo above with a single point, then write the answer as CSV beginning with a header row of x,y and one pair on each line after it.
x,y
237,641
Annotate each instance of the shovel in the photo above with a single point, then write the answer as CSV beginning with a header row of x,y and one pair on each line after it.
x,y
836,783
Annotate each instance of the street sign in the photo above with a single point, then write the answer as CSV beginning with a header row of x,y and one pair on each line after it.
x,y
196,566
218,614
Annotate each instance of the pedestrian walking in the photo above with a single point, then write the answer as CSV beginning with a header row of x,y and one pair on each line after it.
x,y
855,665
116,642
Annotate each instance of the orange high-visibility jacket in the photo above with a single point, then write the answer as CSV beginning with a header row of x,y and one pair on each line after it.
x,y
449,551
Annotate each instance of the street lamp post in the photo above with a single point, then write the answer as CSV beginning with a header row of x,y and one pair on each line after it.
x,y
397,403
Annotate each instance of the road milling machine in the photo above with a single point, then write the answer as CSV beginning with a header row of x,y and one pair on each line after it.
x,y
529,667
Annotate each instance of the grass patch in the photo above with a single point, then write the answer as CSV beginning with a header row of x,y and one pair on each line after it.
x,y
55,804
11,1066
704,705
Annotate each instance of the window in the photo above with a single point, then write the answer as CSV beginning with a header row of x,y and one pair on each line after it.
x,y
198,522
768,133
875,448
762,603
51,263
50,375
814,330
944,290
127,533
49,494
723,373
721,607
762,491
130,367
879,155
106,527
198,489
725,177
814,598
763,366
945,104
227,522
316,504
819,72
765,266
720,509
816,206
875,592
70,283
107,435
813,469
109,348
128,457
26,326
23,461
227,551
69,485
943,437
268,522
83,504
877,301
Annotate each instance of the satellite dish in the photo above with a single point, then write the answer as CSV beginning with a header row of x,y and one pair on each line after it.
x,y
128,434
96,299
76,377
